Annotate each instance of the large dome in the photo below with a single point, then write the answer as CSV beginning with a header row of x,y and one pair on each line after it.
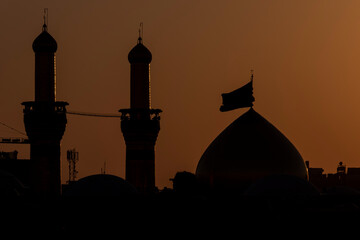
x,y
249,149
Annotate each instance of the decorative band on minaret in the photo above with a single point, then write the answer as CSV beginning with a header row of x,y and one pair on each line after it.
x,y
45,120
140,124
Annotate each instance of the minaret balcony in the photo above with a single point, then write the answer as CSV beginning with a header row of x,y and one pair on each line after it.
x,y
140,114
45,120
140,125
39,106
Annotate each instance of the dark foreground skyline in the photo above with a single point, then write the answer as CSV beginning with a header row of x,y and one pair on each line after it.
x,y
304,55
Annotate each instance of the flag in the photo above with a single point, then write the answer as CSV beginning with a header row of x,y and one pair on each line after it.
x,y
239,98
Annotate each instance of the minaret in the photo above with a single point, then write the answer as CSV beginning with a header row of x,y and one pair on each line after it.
x,y
140,124
45,120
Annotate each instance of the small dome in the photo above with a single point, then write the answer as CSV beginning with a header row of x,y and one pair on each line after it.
x,y
44,42
139,54
101,185
249,149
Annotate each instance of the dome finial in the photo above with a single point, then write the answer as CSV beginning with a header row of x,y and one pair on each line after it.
x,y
251,80
45,19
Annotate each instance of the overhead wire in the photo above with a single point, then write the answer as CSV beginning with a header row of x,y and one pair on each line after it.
x,y
14,129
73,113
93,114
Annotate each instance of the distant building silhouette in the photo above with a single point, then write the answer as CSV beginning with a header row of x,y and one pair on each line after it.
x,y
344,180
185,183
45,120
140,124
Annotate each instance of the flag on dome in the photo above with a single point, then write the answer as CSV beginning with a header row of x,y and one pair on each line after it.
x,y
239,98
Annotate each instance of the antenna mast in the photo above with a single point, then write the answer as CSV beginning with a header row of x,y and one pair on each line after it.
x,y
72,158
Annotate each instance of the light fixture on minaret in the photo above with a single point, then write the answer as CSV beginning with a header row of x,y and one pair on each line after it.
x,y
140,124
45,119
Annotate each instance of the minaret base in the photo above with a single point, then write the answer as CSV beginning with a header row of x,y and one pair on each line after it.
x,y
140,129
45,124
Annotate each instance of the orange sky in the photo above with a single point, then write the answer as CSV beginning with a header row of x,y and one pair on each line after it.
x,y
304,53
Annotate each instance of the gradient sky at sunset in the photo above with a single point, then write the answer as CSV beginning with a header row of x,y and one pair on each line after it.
x,y
305,55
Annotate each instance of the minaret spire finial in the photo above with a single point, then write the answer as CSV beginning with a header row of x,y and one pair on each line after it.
x,y
46,18
141,32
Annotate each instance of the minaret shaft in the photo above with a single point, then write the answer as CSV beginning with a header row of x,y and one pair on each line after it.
x,y
140,124
140,86
45,77
140,137
45,121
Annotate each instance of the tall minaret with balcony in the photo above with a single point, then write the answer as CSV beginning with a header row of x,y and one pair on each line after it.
x,y
140,124
45,120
